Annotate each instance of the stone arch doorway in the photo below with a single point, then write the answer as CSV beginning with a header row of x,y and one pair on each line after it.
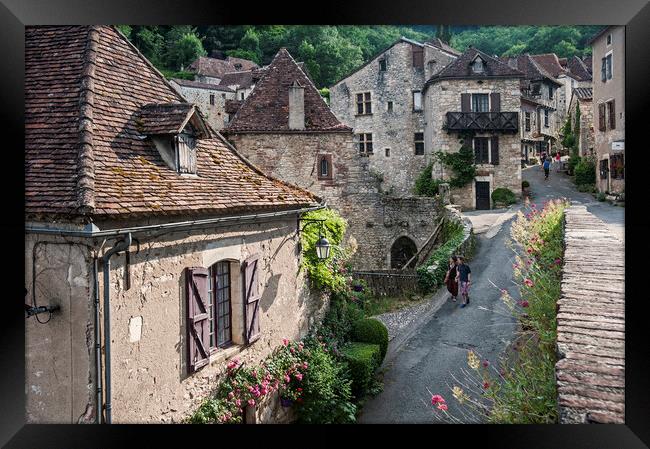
x,y
402,251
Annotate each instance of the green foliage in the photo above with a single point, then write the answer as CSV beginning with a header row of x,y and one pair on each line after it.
x,y
533,161
325,275
183,47
600,196
125,30
590,188
244,54
576,130
431,274
425,185
504,195
362,359
524,184
325,93
574,160
336,327
326,389
250,43
462,165
169,74
585,171
151,42
373,331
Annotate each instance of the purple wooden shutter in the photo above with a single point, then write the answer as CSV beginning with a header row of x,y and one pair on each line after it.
x,y
612,115
495,150
198,326
464,102
252,298
495,100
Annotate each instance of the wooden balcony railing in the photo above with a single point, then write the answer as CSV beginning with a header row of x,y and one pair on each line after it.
x,y
482,121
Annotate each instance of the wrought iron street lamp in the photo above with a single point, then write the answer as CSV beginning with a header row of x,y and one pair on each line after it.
x,y
323,246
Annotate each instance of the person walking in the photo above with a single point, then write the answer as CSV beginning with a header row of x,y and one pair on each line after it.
x,y
557,161
464,278
547,167
450,278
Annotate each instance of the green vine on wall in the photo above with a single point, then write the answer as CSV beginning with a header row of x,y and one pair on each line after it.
x,y
462,165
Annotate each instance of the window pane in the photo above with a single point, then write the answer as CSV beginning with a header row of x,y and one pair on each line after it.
x,y
417,100
480,103
369,147
367,94
359,108
359,98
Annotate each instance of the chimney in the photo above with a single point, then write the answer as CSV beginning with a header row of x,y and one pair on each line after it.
x,y
296,106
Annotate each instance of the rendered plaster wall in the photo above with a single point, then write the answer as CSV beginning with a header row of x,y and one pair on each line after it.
x,y
375,219
444,96
59,355
393,131
151,382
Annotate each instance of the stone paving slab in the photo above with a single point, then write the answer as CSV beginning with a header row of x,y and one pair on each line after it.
x,y
591,322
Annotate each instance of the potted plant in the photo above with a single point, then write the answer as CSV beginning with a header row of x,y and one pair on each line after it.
x,y
525,188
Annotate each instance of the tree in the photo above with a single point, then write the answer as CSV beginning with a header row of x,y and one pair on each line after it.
x,y
183,47
250,42
125,30
151,43
443,32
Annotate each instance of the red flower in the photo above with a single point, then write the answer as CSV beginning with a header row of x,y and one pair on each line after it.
x,y
528,282
486,385
486,363
436,398
442,406
524,303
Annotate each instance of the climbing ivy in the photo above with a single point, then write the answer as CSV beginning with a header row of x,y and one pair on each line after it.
x,y
462,165
425,185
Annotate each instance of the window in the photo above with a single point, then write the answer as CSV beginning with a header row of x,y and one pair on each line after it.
x,y
223,96
389,106
219,305
611,113
604,169
382,65
527,121
419,143
364,143
417,100
616,165
212,99
609,39
241,96
606,68
481,150
185,152
418,57
601,117
364,105
477,65
545,118
387,152
325,166
480,103
550,92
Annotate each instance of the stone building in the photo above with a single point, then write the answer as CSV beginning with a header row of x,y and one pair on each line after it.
x,y
166,251
212,70
608,53
210,98
539,106
286,128
382,102
475,101
581,99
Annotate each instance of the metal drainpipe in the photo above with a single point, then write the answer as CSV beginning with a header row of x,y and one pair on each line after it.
x,y
98,345
119,246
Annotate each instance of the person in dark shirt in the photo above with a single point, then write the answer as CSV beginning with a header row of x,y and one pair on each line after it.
x,y
463,276
450,278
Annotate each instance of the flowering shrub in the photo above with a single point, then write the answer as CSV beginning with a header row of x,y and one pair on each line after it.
x,y
522,390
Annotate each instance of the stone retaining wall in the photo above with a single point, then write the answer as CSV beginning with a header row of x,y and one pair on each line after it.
x,y
590,372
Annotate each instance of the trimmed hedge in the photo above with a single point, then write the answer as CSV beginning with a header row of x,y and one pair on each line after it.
x,y
504,196
585,171
362,359
371,331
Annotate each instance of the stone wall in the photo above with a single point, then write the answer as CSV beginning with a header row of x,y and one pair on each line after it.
x,y
391,131
150,379
59,355
214,114
586,137
375,219
444,96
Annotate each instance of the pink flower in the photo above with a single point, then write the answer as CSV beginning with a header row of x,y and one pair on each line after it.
x,y
524,303
305,365
254,374
541,242
251,402
442,406
287,378
238,402
528,262
486,385
436,398
528,282
292,350
231,395
515,265
264,391
558,262
529,250
298,389
285,342
486,363
298,376
233,364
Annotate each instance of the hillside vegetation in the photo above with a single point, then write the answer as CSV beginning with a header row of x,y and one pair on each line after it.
x,y
331,52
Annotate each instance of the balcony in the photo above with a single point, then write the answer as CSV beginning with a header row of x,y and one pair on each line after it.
x,y
482,121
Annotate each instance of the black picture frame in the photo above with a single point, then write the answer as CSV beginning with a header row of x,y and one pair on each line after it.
x,y
635,14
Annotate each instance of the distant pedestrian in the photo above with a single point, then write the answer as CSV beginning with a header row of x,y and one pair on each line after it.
x,y
464,278
450,278
547,167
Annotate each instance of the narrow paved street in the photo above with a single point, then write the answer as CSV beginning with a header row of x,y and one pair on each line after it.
x,y
438,349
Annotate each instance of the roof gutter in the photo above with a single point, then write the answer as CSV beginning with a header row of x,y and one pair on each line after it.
x,y
90,232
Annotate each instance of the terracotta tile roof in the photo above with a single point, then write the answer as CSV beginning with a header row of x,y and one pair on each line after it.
x,y
583,93
587,60
579,69
200,85
240,79
550,63
267,107
218,67
85,88
460,67
165,118
531,70
232,106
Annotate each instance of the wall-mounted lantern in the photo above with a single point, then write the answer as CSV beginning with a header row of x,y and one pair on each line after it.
x,y
323,246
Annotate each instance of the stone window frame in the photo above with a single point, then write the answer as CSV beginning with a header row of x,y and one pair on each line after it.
x,y
362,141
330,168
417,141
366,101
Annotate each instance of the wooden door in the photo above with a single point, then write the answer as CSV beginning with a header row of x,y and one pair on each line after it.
x,y
482,195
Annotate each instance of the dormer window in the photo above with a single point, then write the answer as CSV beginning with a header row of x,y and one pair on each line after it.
x,y
174,129
478,65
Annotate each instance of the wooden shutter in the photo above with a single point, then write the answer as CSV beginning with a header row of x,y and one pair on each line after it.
x,y
495,150
603,70
418,57
612,115
465,102
198,325
495,100
601,117
251,298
